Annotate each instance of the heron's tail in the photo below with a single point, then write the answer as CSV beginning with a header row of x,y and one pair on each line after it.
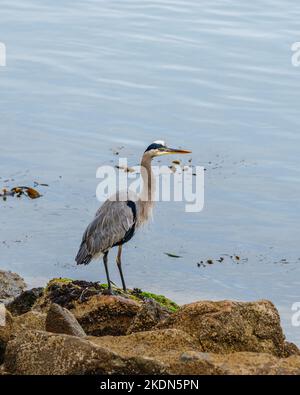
x,y
83,256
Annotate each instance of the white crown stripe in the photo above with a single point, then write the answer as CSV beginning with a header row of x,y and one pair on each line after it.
x,y
159,142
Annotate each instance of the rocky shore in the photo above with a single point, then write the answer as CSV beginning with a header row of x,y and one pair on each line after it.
x,y
75,327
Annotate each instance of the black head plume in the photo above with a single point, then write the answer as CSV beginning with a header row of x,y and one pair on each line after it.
x,y
156,145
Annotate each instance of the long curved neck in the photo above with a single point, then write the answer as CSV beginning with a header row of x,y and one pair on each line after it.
x,y
147,195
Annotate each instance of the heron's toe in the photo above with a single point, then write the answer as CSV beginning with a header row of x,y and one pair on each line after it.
x,y
108,292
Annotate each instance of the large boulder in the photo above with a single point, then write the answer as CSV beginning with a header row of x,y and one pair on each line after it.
x,y
106,314
101,314
24,302
226,326
61,320
44,353
11,285
6,324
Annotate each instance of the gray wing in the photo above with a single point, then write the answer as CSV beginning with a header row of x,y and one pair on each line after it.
x,y
113,223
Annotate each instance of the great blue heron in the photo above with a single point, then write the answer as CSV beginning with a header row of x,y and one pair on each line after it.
x,y
120,215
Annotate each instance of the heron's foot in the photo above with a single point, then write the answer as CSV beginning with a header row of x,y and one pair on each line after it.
x,y
108,291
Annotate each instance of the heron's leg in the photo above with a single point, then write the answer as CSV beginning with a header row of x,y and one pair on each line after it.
x,y
119,263
107,273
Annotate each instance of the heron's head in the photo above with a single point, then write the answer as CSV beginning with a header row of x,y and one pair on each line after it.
x,y
159,148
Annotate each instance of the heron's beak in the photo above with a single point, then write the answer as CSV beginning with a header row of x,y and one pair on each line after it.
x,y
169,151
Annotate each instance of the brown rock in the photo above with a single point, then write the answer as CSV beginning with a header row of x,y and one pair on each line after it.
x,y
159,344
152,352
61,320
6,324
106,315
180,353
3,372
37,352
239,363
149,315
225,326
32,320
290,349
182,348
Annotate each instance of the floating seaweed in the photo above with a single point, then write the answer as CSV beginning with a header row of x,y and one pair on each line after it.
x,y
36,184
20,191
233,258
171,255
176,162
125,169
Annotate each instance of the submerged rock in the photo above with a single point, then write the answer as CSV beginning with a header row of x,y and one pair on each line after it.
x,y
11,285
61,320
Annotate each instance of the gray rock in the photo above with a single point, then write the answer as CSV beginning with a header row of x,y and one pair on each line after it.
x,y
61,320
11,285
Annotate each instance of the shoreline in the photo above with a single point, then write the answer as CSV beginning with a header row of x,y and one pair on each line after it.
x,y
74,327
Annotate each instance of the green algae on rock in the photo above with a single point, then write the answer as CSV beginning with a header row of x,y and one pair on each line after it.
x,y
161,299
65,292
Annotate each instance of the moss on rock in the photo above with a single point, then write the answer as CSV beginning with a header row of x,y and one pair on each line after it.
x,y
65,292
161,299
58,281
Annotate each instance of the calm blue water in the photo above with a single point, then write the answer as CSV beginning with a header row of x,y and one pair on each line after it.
x,y
84,78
